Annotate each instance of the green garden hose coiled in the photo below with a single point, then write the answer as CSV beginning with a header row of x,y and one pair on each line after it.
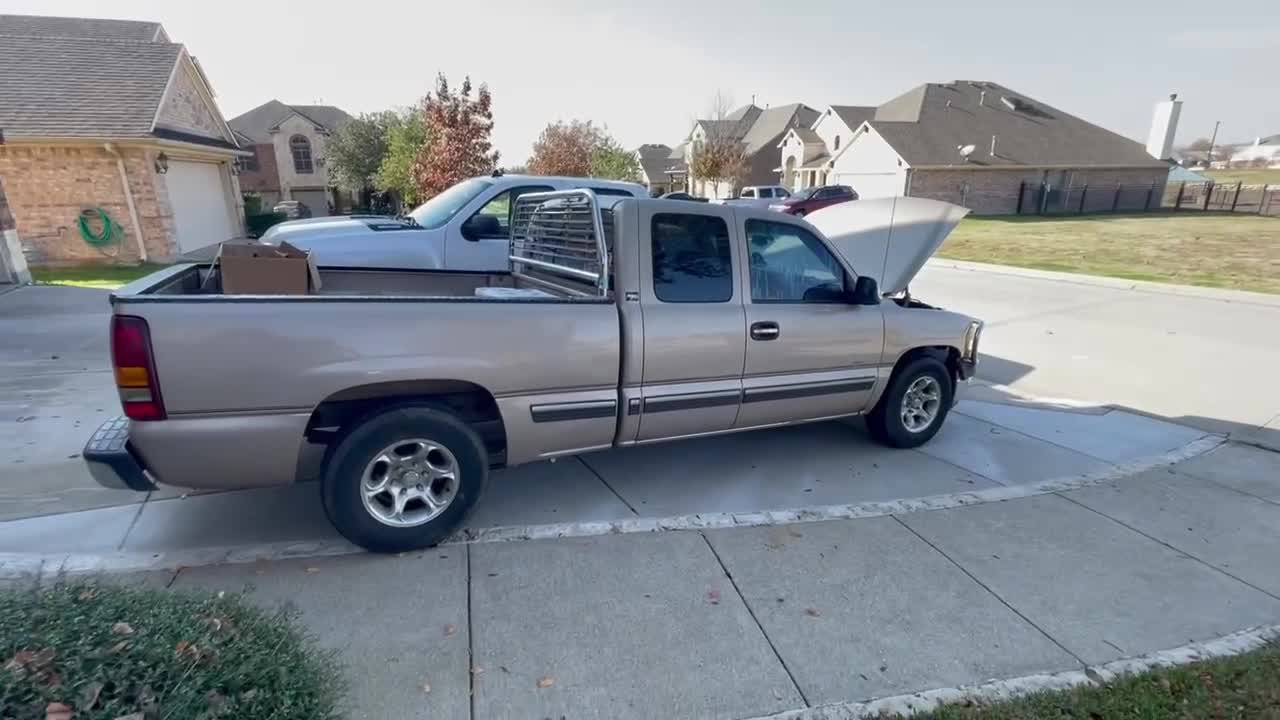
x,y
110,232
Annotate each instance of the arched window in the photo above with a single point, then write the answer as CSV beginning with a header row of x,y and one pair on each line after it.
x,y
837,147
301,149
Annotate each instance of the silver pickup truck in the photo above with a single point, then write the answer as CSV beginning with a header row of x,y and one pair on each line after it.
x,y
653,321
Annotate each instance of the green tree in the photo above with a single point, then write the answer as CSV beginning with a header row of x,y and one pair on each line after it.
x,y
406,136
610,160
355,150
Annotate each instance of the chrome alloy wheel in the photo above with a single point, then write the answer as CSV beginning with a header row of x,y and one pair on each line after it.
x,y
409,483
921,403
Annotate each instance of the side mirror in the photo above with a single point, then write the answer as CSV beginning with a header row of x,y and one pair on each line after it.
x,y
481,226
865,291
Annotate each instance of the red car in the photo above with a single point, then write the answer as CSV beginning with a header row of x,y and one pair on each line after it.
x,y
806,201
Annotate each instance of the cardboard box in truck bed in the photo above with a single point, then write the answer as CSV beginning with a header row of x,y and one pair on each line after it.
x,y
256,269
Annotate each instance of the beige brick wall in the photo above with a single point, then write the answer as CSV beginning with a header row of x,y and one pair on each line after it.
x,y
995,192
48,186
186,109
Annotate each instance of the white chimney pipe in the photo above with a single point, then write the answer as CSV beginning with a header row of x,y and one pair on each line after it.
x,y
1164,126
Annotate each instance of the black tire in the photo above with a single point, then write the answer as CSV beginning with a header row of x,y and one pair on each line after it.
x,y
340,483
885,423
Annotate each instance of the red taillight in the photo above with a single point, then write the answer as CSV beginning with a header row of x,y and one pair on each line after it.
x,y
135,369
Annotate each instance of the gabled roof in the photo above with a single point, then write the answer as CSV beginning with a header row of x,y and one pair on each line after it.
x,y
258,123
82,87
854,115
772,123
928,124
655,159
72,27
806,135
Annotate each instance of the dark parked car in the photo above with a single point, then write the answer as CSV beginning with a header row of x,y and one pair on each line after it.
x,y
806,201
682,196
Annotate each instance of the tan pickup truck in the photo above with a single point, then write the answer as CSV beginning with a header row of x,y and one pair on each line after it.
x,y
656,320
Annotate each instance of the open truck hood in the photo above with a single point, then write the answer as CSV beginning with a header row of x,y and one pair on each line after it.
x,y
888,239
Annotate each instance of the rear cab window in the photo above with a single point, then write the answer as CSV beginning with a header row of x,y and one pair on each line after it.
x,y
691,258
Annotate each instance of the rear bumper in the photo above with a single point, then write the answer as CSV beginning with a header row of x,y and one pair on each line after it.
x,y
966,369
111,460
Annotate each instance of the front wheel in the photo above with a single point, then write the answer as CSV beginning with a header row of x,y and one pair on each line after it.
x,y
913,407
404,479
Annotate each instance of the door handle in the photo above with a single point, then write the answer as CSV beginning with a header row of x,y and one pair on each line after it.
x,y
765,331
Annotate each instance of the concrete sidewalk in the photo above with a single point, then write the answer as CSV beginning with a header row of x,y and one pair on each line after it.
x,y
751,622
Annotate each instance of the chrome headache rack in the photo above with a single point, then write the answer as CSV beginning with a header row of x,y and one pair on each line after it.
x,y
558,241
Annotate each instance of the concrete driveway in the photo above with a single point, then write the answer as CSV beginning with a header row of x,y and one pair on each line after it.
x,y
55,388
1194,356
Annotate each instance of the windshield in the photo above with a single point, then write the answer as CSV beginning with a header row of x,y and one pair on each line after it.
x,y
806,194
438,210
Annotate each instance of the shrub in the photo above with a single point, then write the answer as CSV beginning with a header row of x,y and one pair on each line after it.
x,y
256,225
107,652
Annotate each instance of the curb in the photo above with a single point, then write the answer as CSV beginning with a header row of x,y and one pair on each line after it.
x,y
1156,288
997,690
53,566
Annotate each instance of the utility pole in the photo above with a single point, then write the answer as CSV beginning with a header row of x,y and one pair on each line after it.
x,y
1212,142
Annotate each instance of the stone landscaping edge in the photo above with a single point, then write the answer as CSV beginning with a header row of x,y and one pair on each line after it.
x,y
998,690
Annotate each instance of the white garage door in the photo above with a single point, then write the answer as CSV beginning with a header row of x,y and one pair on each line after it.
x,y
199,204
874,185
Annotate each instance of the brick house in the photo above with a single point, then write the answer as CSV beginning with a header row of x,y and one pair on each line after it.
x,y
970,143
111,115
757,129
288,163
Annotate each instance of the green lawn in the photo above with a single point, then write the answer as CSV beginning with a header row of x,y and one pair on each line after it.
x,y
1193,248
1244,686
107,277
1265,176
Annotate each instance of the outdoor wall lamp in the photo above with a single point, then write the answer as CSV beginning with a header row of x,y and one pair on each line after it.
x,y
162,163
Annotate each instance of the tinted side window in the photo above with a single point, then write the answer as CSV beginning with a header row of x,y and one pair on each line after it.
x,y
611,191
749,193
789,264
691,260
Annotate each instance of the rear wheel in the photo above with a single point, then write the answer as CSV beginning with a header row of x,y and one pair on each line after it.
x,y
404,479
914,405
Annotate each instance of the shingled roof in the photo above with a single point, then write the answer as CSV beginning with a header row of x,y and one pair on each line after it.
x,y
928,124
258,123
72,27
81,87
655,159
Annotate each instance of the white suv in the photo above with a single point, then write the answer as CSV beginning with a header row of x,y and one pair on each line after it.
x,y
761,196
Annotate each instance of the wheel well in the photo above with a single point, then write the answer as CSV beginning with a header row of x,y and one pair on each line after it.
x,y
947,355
470,402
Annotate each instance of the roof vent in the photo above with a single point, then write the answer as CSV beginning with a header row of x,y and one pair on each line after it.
x,y
1020,105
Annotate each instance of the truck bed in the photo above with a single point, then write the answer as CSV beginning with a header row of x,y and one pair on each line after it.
x,y
201,281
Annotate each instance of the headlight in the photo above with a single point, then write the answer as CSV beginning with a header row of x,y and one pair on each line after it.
x,y
971,336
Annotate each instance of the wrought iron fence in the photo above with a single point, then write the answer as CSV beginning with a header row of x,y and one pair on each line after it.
x,y
1045,199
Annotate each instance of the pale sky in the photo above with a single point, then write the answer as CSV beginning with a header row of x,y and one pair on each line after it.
x,y
646,69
